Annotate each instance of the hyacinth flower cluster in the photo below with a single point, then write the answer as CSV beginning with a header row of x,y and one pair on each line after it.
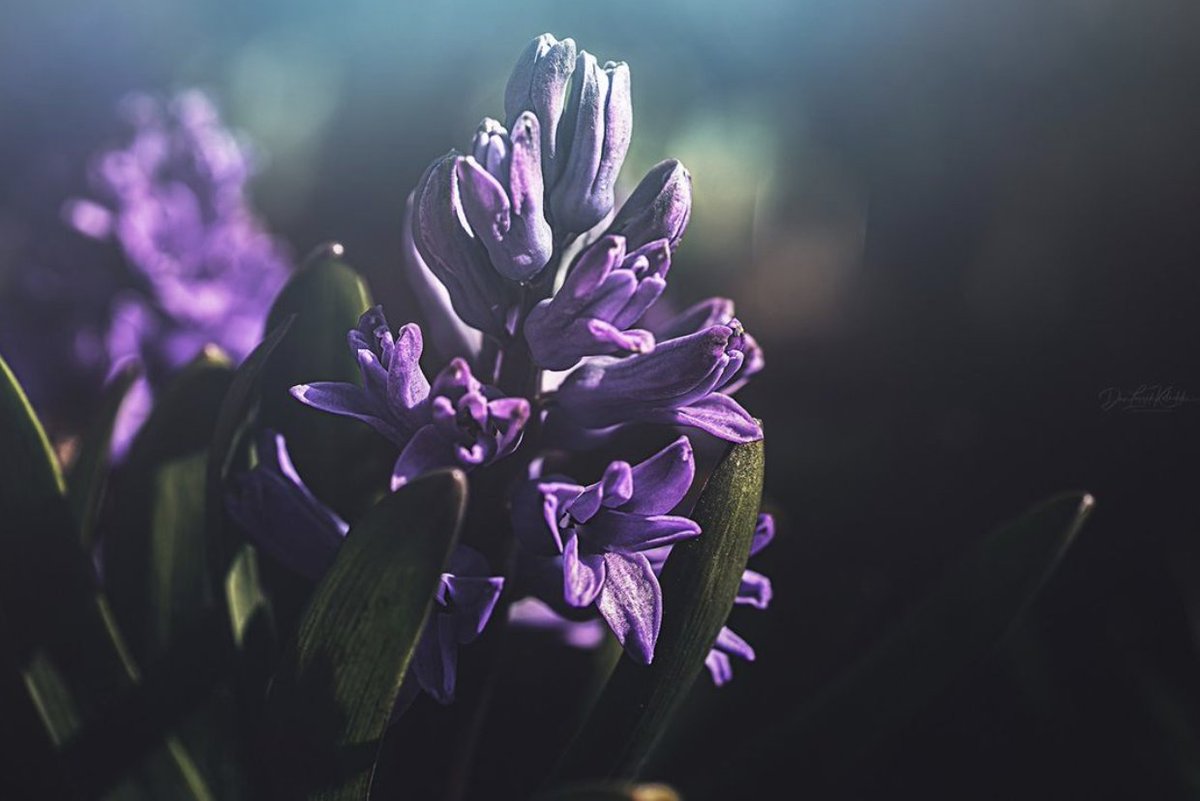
x,y
534,288
204,269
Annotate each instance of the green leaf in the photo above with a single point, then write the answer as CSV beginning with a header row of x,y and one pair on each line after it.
x,y
179,592
236,410
59,632
89,477
699,583
974,607
185,412
29,471
610,792
326,297
147,524
333,693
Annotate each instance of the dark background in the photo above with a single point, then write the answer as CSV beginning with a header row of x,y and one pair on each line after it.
x,y
952,225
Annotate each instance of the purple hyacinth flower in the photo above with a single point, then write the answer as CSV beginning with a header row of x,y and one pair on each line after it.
x,y
451,336
284,519
465,599
595,538
281,515
755,590
175,199
539,84
593,138
659,207
680,382
606,292
501,192
454,422
533,614
481,296
706,313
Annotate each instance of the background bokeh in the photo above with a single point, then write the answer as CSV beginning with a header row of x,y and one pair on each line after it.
x,y
952,225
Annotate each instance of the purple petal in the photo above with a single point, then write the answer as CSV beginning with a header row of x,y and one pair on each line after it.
x,y
531,613
428,450
658,208
539,83
407,387
621,531
754,590
613,489
719,667
435,659
583,575
631,603
348,400
731,643
282,517
661,481
706,313
764,532
474,598
717,414
451,336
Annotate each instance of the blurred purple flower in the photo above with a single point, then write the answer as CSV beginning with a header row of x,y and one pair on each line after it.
x,y
206,271
755,590
595,538
606,292
456,421
289,523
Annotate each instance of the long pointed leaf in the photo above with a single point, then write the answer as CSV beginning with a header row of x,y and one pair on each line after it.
x,y
333,694
961,621
60,633
326,297
699,583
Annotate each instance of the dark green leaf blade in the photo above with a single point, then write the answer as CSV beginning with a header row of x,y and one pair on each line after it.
x,y
179,428
29,471
89,477
236,409
326,296
64,643
973,608
333,693
699,582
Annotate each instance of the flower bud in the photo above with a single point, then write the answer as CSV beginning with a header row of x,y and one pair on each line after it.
x,y
658,208
501,189
480,296
592,141
606,292
539,84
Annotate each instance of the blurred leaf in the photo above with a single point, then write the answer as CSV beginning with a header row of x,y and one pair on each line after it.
x,y
236,410
974,607
143,524
334,691
60,633
89,478
244,594
699,582
610,792
179,588
185,412
29,471
326,297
